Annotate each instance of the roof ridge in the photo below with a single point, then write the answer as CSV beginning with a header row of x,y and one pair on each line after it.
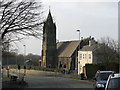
x,y
69,41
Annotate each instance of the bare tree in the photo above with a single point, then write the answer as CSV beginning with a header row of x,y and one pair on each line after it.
x,y
19,18
111,43
108,50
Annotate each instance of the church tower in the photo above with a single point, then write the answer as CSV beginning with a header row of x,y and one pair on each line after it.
x,y
49,51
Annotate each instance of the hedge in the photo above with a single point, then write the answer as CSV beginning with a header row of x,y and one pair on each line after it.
x,y
91,69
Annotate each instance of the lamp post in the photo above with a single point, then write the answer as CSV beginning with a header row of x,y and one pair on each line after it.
x,y
78,62
24,53
8,60
79,33
24,61
16,51
8,55
79,37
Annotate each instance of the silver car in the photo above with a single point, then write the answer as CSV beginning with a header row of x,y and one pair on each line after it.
x,y
100,79
113,82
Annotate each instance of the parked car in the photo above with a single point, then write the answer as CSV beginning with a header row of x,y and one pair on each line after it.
x,y
100,79
113,82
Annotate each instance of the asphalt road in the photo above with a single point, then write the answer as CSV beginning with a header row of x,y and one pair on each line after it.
x,y
52,81
42,79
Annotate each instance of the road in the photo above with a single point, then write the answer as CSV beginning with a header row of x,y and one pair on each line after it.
x,y
53,81
42,79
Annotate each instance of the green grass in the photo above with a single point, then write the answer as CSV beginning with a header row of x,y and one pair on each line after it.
x,y
5,77
60,70
33,68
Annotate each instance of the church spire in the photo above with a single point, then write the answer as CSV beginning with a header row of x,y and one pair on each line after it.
x,y
49,18
49,8
49,52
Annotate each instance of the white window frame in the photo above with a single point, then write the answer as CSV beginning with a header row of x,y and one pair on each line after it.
x,y
83,56
80,56
90,56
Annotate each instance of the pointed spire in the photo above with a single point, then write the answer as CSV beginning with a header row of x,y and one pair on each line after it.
x,y
49,18
49,8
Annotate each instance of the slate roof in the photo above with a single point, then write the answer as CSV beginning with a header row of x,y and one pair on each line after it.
x,y
66,49
90,48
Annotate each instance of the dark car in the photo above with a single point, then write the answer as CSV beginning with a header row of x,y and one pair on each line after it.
x,y
100,79
113,82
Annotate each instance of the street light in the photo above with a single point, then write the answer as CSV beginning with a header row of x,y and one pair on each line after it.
x,y
78,63
16,51
1,51
79,37
79,33
24,52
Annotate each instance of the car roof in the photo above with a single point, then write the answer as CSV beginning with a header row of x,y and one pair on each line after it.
x,y
117,75
105,71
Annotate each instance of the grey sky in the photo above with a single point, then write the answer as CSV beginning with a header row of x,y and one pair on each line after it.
x,y
97,19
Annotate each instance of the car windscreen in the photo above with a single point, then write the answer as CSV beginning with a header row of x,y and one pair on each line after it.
x,y
114,83
104,76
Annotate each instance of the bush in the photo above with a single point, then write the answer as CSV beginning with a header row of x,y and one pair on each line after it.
x,y
91,69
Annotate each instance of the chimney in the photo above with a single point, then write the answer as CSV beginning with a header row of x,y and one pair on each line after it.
x,y
92,38
92,41
81,38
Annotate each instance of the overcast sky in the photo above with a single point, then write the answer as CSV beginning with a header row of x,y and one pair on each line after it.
x,y
95,18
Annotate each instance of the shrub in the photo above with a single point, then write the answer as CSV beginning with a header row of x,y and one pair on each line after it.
x,y
91,69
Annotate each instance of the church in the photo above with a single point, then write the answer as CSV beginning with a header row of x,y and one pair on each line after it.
x,y
57,54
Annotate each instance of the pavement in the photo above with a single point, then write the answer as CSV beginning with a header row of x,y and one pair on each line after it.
x,y
7,83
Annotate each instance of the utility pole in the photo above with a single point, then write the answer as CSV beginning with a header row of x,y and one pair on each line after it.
x,y
119,34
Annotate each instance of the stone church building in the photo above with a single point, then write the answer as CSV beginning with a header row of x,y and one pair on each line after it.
x,y
49,50
55,54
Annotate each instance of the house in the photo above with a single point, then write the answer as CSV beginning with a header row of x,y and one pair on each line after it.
x,y
86,55
94,53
